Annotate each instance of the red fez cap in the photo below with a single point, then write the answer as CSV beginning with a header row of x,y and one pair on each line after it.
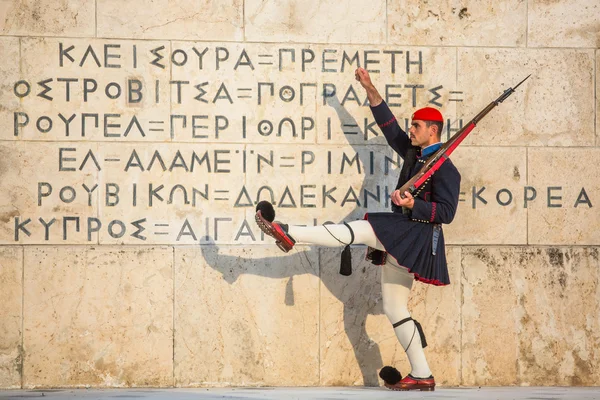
x,y
428,114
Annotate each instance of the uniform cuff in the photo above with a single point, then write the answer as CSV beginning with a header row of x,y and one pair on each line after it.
x,y
383,115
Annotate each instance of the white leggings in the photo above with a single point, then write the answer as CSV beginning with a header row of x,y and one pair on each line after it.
x,y
396,283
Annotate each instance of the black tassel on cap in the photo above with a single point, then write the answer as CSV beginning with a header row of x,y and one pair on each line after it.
x,y
346,264
390,375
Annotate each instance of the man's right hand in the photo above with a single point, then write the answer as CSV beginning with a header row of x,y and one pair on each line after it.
x,y
362,76
373,95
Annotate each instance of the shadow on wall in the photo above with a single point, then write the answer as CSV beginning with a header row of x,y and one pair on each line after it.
x,y
366,351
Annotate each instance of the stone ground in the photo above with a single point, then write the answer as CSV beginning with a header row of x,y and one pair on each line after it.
x,y
328,393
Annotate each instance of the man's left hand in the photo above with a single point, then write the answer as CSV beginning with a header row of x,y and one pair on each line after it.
x,y
408,201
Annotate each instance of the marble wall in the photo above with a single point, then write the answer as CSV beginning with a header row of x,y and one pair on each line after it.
x,y
137,137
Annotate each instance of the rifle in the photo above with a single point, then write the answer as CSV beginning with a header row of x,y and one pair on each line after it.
x,y
437,159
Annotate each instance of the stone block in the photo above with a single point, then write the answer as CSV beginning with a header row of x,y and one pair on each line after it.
x,y
168,19
518,321
92,89
357,339
466,23
9,76
543,111
568,192
98,316
491,208
246,316
42,181
562,23
11,296
315,21
558,335
489,321
47,18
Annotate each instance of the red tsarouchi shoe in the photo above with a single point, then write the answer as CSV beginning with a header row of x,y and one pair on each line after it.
x,y
409,382
277,230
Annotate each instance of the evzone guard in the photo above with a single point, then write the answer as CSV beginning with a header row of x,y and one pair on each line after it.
x,y
408,242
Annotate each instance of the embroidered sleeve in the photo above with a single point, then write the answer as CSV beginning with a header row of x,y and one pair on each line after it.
x,y
433,208
388,123
394,135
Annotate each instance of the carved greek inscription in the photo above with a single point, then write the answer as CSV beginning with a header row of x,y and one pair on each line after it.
x,y
178,143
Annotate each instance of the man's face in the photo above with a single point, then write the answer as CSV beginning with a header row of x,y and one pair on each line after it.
x,y
421,135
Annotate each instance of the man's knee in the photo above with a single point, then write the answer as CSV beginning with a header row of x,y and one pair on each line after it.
x,y
395,312
364,233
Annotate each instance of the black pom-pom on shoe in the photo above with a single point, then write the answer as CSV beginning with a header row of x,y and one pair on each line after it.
x,y
267,210
390,375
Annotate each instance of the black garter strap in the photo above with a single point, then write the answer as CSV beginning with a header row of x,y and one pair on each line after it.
x,y
397,324
351,233
418,328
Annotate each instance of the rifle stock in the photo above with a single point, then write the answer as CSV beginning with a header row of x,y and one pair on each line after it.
x,y
437,159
